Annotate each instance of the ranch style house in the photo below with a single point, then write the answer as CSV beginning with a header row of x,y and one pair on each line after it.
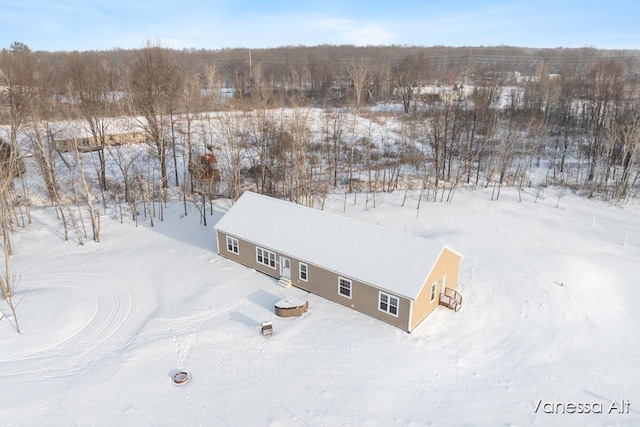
x,y
391,276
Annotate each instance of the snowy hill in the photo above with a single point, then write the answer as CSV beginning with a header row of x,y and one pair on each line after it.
x,y
550,318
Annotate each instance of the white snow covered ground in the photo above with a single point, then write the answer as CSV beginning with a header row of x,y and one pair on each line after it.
x,y
551,299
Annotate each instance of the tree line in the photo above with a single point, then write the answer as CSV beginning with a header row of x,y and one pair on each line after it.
x,y
491,114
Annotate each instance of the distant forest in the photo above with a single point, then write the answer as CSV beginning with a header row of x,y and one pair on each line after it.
x,y
324,75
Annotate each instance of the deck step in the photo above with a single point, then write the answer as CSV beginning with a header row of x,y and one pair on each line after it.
x,y
285,282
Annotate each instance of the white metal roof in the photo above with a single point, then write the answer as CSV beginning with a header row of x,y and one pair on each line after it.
x,y
387,259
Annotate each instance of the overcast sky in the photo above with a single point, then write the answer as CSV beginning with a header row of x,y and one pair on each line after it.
x,y
212,24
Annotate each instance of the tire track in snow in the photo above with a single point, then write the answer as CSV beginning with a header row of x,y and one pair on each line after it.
x,y
112,318
195,324
112,322
162,328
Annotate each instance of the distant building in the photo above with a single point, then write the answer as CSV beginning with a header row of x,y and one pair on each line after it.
x,y
90,143
521,79
10,165
76,134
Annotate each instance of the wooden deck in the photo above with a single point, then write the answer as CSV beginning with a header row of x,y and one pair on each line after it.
x,y
451,299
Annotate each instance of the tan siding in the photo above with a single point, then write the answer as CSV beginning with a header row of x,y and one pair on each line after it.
x,y
247,255
447,264
364,298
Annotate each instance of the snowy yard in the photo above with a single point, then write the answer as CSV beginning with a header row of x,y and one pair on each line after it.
x,y
550,314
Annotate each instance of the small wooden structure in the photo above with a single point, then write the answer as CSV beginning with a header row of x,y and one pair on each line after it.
x,y
266,328
10,162
205,174
291,307
206,168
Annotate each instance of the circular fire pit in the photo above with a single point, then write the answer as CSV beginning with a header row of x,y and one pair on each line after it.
x,y
291,307
181,377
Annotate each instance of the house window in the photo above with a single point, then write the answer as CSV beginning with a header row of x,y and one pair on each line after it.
x,y
303,272
433,292
344,287
232,245
266,257
388,304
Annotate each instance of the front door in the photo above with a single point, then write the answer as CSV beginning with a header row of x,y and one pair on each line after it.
x,y
285,267
443,284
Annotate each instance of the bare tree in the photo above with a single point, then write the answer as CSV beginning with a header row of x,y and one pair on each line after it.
x,y
229,131
154,84
262,135
10,168
91,92
298,126
359,72
624,156
214,83
88,196
17,71
407,76
484,123
605,88
334,129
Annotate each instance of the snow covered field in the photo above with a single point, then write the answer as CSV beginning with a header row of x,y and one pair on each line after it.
x,y
550,316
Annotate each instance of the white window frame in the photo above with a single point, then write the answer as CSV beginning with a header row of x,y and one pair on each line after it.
x,y
265,254
340,286
388,303
233,243
434,291
306,271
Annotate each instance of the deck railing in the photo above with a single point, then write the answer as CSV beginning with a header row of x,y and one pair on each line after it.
x,y
451,299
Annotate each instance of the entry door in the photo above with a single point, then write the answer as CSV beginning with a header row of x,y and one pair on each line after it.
x,y
443,284
285,267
